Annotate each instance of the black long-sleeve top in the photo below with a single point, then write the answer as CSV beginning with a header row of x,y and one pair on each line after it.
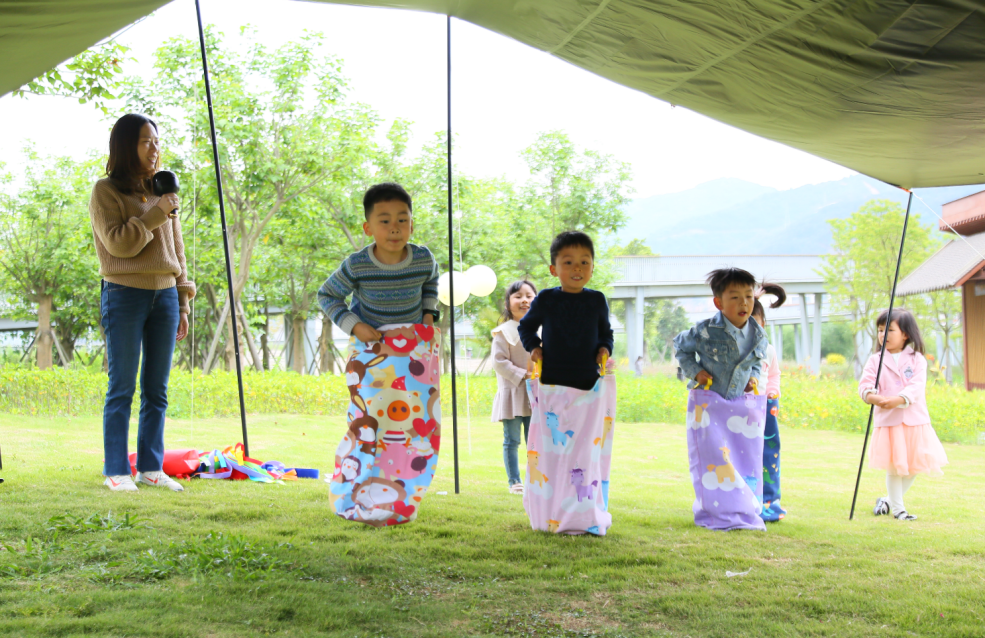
x,y
575,326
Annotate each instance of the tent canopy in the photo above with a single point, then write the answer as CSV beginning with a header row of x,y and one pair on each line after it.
x,y
890,88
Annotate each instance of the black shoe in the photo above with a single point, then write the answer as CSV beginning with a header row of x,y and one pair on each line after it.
x,y
905,516
882,506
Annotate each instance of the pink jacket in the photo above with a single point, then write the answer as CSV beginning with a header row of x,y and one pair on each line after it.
x,y
772,368
908,379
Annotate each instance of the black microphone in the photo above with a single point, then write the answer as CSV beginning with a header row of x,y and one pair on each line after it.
x,y
165,183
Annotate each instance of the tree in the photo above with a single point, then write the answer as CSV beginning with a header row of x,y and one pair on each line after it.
x,y
635,248
285,127
47,260
664,319
299,251
859,272
568,189
92,76
941,310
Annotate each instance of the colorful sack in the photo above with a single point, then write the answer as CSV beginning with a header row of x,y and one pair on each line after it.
x,y
388,456
725,447
569,454
232,463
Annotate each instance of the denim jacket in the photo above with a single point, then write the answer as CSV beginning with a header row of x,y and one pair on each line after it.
x,y
711,346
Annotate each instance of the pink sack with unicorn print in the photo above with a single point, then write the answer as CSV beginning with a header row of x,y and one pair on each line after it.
x,y
569,455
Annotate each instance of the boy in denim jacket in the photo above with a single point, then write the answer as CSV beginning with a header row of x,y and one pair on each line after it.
x,y
728,349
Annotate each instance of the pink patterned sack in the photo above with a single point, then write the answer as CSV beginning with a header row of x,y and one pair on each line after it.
x,y
569,454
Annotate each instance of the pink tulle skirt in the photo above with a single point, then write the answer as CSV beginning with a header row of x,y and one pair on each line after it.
x,y
909,449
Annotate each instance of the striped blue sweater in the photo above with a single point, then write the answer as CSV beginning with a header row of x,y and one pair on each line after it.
x,y
381,293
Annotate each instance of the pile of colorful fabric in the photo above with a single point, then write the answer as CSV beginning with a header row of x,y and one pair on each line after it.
x,y
229,463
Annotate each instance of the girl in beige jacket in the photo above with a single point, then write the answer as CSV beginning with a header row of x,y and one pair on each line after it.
x,y
511,363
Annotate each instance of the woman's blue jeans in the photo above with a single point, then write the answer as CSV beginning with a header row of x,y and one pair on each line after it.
x,y
511,441
135,319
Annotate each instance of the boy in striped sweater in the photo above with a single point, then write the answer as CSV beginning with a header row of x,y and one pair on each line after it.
x,y
391,281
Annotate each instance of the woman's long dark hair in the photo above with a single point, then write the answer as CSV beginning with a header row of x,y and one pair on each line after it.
x,y
123,166
510,290
907,324
758,310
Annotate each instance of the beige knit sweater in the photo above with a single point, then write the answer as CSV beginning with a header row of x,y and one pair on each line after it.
x,y
137,243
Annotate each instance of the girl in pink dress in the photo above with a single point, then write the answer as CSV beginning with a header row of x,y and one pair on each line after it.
x,y
904,443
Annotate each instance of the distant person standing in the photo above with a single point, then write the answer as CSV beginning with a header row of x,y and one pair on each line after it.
x,y
639,366
144,302
511,363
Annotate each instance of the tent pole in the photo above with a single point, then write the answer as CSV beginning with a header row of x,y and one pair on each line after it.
x,y
882,350
225,229
451,270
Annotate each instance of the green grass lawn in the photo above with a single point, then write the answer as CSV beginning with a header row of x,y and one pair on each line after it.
x,y
238,559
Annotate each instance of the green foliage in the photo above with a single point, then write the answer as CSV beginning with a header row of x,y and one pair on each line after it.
x,y
229,555
665,319
34,559
46,248
634,248
569,189
825,402
836,338
77,392
66,523
92,76
859,272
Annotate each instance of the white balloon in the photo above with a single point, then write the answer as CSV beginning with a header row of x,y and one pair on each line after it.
x,y
482,280
461,289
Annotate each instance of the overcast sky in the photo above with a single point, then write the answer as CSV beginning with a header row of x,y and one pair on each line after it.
x,y
504,94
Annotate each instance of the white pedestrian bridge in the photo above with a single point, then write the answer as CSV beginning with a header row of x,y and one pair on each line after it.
x,y
681,276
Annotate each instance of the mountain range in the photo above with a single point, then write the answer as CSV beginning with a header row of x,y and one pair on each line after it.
x,y
736,217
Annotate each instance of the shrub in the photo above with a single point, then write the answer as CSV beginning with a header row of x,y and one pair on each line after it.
x,y
835,359
825,402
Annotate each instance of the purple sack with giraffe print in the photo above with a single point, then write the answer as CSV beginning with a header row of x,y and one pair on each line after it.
x,y
725,448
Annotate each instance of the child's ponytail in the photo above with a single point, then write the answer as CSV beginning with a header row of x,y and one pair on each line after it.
x,y
767,288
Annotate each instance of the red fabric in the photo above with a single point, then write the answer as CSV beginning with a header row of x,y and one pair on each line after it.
x,y
176,462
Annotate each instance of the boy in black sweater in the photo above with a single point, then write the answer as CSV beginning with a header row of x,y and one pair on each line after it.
x,y
575,319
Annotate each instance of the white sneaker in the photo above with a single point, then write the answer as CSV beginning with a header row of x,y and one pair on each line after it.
x,y
159,479
121,483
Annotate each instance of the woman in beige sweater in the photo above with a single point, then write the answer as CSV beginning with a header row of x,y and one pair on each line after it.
x,y
511,363
145,296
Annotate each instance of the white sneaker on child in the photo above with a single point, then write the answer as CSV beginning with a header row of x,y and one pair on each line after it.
x,y
159,479
882,506
903,515
120,483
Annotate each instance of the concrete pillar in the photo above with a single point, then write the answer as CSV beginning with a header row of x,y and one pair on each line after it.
x,y
629,321
640,327
805,331
779,344
816,341
798,344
